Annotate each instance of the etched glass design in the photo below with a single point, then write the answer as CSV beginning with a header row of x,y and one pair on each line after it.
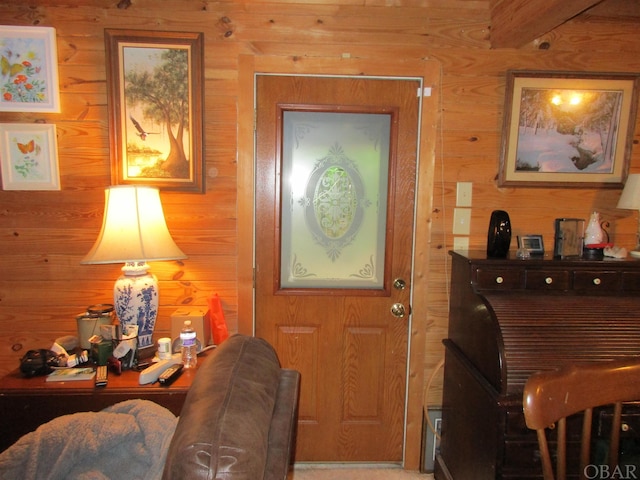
x,y
335,168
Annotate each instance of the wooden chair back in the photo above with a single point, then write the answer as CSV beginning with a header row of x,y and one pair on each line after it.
x,y
552,396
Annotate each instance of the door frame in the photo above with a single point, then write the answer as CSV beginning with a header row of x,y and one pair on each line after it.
x,y
428,71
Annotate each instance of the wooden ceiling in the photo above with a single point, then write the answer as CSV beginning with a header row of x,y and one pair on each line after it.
x,y
515,23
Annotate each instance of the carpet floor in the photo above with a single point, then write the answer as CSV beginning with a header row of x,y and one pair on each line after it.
x,y
347,472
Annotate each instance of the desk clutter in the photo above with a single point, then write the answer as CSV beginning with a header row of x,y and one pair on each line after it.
x,y
103,342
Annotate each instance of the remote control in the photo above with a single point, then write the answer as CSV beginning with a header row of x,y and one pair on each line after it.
x,y
170,374
151,374
101,376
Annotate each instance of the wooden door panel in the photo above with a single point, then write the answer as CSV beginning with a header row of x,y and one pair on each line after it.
x,y
363,374
349,348
297,348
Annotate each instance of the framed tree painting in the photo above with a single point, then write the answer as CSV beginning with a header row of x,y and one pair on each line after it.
x,y
155,82
29,156
28,69
568,129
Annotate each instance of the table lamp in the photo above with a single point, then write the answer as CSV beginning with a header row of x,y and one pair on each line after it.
x,y
630,200
133,232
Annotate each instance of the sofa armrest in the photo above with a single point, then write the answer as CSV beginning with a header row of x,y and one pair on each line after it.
x,y
281,451
239,418
224,430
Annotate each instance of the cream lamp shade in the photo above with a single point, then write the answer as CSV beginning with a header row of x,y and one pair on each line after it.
x,y
133,232
133,228
630,200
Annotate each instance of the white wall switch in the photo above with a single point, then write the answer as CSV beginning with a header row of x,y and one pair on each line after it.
x,y
461,221
464,194
460,243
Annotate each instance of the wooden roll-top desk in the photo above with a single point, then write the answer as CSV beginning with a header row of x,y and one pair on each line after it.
x,y
509,318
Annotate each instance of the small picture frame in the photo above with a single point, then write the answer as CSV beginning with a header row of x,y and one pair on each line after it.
x,y
569,237
532,243
29,156
29,75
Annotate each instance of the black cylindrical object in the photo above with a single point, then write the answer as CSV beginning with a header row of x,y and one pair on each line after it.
x,y
499,236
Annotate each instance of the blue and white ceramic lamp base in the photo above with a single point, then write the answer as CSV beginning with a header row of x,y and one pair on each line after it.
x,y
135,296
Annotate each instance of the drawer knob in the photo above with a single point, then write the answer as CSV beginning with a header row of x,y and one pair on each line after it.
x,y
548,280
499,280
597,281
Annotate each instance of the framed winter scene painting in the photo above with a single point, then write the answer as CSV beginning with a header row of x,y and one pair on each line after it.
x,y
155,87
28,69
567,129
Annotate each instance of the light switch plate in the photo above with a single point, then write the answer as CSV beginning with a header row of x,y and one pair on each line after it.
x,y
464,194
460,243
461,221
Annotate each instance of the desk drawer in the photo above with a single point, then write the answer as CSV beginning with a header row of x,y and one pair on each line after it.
x,y
630,427
499,278
596,282
548,280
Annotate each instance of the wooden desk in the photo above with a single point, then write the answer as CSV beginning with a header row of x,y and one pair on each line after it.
x,y
27,403
507,319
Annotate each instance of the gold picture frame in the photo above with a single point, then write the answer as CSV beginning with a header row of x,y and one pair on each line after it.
x,y
565,129
155,84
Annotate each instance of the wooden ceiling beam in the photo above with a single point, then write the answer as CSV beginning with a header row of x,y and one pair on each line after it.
x,y
515,23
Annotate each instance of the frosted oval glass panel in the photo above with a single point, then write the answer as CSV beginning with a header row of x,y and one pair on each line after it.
x,y
335,202
335,169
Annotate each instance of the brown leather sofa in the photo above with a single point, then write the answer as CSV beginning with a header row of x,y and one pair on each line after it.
x,y
239,418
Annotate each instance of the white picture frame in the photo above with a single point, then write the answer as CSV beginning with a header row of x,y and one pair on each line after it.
x,y
29,156
29,79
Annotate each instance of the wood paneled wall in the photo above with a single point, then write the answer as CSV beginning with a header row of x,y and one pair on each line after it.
x,y
44,235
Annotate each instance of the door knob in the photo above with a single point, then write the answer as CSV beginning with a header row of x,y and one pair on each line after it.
x,y
398,310
399,284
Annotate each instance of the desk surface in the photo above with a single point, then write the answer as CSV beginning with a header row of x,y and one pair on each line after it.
x,y
15,383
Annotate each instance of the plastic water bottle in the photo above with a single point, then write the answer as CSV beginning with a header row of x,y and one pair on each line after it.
x,y
189,346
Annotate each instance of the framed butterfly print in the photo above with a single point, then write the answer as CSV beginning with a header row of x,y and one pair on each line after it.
x,y
28,69
155,85
29,156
